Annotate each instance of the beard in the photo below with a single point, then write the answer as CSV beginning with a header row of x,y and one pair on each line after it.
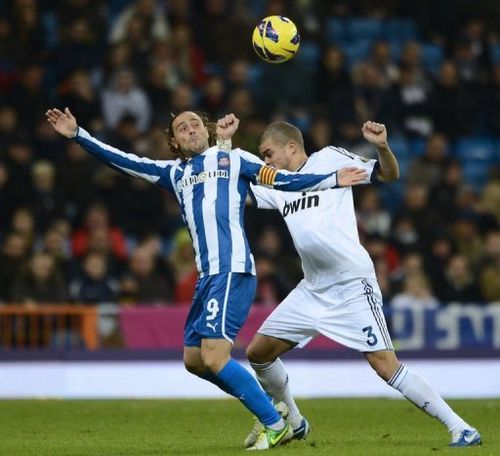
x,y
195,148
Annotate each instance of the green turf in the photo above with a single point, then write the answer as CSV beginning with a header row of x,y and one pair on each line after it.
x,y
358,427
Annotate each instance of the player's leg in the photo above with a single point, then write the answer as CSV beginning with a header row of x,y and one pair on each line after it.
x,y
418,391
358,322
263,354
291,324
226,301
194,364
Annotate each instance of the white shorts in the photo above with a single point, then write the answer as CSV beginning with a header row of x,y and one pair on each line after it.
x,y
349,313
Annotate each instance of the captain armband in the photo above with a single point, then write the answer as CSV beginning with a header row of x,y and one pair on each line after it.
x,y
267,176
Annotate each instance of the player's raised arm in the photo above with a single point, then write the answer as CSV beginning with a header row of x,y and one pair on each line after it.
x,y
151,170
376,134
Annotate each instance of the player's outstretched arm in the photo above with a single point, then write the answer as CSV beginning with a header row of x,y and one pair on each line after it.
x,y
376,134
150,170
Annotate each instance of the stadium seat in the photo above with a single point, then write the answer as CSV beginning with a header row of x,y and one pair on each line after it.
x,y
356,51
364,29
495,52
432,56
308,54
400,147
476,173
400,30
475,149
335,30
417,146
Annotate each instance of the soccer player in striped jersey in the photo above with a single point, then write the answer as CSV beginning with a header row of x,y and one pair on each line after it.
x,y
339,296
211,187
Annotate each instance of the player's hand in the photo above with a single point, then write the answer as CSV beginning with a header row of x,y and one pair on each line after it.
x,y
346,177
62,122
375,133
227,126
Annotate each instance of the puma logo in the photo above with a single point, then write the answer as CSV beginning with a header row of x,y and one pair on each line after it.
x,y
213,326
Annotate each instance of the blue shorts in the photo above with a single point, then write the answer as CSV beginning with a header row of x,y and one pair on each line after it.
x,y
220,306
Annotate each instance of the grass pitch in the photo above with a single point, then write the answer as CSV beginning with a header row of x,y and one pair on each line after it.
x,y
357,427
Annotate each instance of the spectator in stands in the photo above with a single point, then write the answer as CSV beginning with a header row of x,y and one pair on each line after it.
x,y
182,261
411,60
124,97
94,285
18,160
459,284
372,218
30,96
7,200
416,294
13,254
428,169
272,286
97,220
467,238
9,126
381,59
335,87
23,223
57,244
79,95
369,93
47,202
490,269
157,90
79,169
147,11
189,57
453,103
213,99
319,136
437,257
40,281
142,283
412,264
79,38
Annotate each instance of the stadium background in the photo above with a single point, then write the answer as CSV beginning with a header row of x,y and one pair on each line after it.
x,y
96,267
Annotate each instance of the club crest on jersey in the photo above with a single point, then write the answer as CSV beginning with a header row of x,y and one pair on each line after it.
x,y
224,161
306,202
201,178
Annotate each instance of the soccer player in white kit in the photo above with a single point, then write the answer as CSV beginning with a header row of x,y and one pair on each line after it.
x,y
339,296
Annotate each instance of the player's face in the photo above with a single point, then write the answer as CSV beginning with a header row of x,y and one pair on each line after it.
x,y
190,133
276,155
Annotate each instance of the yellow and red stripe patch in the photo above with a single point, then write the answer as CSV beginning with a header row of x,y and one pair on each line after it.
x,y
267,175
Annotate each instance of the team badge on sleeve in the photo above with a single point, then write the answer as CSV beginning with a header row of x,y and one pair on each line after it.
x,y
267,176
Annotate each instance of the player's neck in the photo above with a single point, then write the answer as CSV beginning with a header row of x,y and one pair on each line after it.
x,y
297,164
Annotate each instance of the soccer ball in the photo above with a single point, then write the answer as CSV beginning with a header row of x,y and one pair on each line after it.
x,y
276,39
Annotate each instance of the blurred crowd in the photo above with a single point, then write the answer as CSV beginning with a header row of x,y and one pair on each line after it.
x,y
72,230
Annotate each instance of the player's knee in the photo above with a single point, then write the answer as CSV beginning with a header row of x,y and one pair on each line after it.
x,y
195,367
257,354
214,361
384,364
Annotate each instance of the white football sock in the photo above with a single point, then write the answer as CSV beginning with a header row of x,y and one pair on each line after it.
x,y
418,391
274,379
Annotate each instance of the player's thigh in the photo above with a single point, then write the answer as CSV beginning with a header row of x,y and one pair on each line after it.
x,y
295,319
215,353
220,307
263,349
356,320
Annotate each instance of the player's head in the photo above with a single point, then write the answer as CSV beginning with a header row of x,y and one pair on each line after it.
x,y
282,146
190,133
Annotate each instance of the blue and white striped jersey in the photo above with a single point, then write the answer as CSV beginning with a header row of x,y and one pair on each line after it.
x,y
211,189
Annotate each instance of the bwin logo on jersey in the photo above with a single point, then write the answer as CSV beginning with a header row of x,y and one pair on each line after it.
x,y
200,178
305,202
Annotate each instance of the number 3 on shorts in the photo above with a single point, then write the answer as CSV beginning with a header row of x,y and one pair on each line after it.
x,y
371,338
213,308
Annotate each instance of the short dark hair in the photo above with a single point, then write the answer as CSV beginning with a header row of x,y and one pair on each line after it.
x,y
281,132
169,131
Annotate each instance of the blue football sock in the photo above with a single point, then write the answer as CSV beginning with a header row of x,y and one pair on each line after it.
x,y
209,376
240,384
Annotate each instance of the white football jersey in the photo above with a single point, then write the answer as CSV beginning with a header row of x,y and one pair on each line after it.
x,y
323,223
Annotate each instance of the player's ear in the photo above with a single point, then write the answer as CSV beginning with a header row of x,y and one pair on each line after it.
x,y
291,146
